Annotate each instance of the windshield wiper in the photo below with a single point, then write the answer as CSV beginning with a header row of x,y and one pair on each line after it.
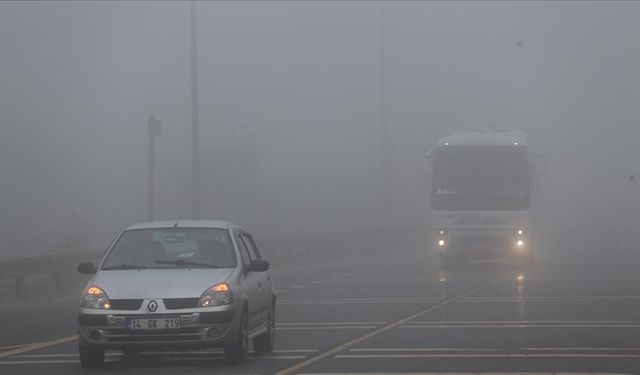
x,y
125,266
186,263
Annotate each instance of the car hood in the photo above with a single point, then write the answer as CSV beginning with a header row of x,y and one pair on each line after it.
x,y
159,283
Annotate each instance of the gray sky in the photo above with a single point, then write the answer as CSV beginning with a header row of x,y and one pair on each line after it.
x,y
291,108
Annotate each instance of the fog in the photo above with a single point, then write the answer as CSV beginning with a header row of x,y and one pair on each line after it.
x,y
314,116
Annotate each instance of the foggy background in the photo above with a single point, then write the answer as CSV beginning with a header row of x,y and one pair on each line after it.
x,y
293,96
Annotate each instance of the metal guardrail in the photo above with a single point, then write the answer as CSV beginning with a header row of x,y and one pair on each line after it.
x,y
19,269
282,251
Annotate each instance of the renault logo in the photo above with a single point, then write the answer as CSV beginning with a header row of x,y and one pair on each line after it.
x,y
152,306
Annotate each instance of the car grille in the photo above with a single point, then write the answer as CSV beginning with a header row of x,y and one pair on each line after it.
x,y
126,304
180,303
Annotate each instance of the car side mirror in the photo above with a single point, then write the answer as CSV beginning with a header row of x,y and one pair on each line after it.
x,y
258,265
87,268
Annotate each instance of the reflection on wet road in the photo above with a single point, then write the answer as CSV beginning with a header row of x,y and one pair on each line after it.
x,y
394,315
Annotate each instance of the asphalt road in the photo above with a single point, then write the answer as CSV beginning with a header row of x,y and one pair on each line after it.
x,y
395,314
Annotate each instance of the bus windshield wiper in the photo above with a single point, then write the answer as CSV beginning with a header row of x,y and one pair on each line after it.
x,y
186,263
125,266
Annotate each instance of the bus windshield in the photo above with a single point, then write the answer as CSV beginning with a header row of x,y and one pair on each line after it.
x,y
480,178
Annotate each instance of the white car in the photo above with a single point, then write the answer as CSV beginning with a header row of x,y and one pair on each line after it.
x,y
178,284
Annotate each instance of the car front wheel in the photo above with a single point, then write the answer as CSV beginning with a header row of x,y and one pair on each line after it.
x,y
237,352
265,342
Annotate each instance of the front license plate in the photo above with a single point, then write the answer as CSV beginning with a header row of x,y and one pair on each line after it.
x,y
156,323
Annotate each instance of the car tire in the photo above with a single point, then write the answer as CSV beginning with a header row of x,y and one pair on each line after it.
x,y
91,357
237,352
266,341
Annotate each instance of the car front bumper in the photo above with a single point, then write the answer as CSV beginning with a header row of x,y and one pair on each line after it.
x,y
214,327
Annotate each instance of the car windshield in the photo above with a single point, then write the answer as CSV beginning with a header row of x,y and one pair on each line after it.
x,y
172,248
480,178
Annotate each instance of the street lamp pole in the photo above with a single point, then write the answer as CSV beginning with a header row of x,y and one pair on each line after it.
x,y
195,148
386,162
153,130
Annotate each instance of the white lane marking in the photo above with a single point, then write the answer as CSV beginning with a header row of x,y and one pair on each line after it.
x,y
279,292
76,361
487,355
317,282
583,349
461,373
373,350
294,287
547,298
188,354
329,324
524,322
355,301
59,355
521,326
324,328
471,350
351,343
49,362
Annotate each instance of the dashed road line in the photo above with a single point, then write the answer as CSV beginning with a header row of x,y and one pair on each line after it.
x,y
550,299
330,324
327,328
470,350
356,301
374,350
485,355
488,322
73,359
464,373
493,326
347,345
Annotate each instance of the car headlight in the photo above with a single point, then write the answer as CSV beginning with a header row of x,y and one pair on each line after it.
x,y
95,298
519,243
217,295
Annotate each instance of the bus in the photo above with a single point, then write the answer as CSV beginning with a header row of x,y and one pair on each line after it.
x,y
480,204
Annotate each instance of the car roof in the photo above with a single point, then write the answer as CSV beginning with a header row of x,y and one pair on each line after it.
x,y
218,224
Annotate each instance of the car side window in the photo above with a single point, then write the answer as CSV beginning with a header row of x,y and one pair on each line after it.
x,y
244,252
253,249
247,244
